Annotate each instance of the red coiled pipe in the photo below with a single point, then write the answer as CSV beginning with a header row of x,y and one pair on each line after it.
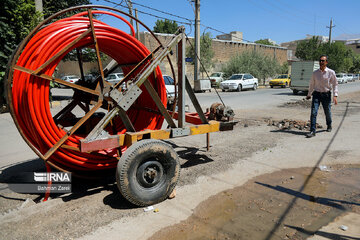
x,y
30,94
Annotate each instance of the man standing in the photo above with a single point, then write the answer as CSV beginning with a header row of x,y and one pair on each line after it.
x,y
322,82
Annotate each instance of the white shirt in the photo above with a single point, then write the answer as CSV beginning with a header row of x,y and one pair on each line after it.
x,y
323,81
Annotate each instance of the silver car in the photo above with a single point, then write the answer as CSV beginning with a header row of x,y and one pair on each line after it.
x,y
71,78
114,78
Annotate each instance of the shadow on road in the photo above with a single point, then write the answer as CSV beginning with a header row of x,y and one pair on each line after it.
x,y
294,132
93,183
323,234
324,201
306,182
192,155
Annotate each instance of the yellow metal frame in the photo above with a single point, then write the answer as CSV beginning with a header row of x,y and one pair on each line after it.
x,y
129,138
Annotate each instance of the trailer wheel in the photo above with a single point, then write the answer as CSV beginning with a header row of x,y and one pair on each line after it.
x,y
148,172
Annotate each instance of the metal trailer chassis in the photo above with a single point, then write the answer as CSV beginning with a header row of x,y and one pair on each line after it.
x,y
147,172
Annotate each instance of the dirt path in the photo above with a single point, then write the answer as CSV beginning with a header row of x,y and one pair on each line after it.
x,y
95,210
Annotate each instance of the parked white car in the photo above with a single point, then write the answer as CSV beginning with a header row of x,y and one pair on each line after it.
x,y
239,82
170,86
170,90
357,76
71,78
216,78
341,78
114,78
350,77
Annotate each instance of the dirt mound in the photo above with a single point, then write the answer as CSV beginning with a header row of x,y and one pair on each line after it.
x,y
300,103
287,124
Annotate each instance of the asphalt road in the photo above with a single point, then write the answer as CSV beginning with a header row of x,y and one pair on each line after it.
x,y
13,149
262,97
248,99
250,151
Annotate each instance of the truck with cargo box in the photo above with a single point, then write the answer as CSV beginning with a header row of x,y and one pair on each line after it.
x,y
301,73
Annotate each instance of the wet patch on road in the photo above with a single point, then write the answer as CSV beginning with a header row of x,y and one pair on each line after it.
x,y
288,204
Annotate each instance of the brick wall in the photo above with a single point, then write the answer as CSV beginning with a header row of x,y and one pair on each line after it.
x,y
223,50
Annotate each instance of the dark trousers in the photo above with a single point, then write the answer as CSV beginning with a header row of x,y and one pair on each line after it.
x,y
325,100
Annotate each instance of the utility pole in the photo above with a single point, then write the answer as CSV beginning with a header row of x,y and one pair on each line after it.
x,y
137,25
39,7
197,40
129,3
331,26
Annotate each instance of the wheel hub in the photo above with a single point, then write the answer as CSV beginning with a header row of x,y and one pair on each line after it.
x,y
150,173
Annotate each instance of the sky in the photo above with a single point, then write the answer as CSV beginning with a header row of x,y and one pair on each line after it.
x,y
279,20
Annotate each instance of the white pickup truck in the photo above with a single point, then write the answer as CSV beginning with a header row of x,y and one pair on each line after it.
x,y
239,82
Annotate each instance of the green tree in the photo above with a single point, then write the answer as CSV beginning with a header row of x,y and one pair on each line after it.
x,y
356,64
17,19
54,6
257,64
284,68
341,58
165,26
206,52
264,42
309,49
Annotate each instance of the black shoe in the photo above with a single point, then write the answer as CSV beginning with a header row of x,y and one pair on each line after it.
x,y
310,134
329,128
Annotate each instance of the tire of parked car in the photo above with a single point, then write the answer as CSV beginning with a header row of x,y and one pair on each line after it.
x,y
239,88
255,86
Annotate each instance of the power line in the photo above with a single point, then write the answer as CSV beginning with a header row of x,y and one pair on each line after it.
x,y
146,13
156,16
157,10
216,30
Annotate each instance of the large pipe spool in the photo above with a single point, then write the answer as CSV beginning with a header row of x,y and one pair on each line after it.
x,y
34,64
106,127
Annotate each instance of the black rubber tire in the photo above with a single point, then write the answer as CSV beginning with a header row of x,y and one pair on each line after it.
x,y
223,90
143,157
272,86
295,92
255,86
239,88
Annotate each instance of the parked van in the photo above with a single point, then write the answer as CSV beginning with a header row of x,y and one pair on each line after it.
x,y
301,73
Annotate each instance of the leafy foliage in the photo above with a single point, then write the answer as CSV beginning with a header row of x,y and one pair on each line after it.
x,y
53,6
284,68
206,52
264,42
165,26
17,19
87,55
341,58
308,49
257,64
